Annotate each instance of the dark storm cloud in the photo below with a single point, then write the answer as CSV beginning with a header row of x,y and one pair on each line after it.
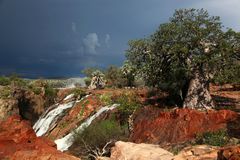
x,y
61,37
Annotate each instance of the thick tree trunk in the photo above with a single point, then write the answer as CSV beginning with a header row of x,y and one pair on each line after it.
x,y
198,95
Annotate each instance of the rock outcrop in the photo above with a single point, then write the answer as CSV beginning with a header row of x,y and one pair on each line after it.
x,y
199,152
132,151
19,141
154,126
8,107
229,153
21,101
75,116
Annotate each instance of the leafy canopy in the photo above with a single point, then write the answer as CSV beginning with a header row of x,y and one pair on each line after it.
x,y
191,41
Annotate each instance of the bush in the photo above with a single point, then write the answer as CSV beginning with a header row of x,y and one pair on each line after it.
x,y
218,138
4,81
97,135
106,99
79,92
14,80
37,90
87,81
50,92
17,81
128,103
5,92
115,77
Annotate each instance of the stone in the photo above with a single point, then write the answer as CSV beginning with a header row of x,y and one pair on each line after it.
x,y
229,153
198,152
152,125
18,141
132,151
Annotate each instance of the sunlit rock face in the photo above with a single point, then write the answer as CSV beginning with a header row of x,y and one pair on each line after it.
x,y
229,153
19,141
198,152
132,151
154,126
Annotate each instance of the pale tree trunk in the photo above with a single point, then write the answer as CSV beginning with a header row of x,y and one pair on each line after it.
x,y
198,95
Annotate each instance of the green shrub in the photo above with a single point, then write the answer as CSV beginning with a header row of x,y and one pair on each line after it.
x,y
106,99
4,81
98,135
50,92
5,92
50,95
17,81
14,80
84,104
128,103
218,138
37,90
78,92
87,81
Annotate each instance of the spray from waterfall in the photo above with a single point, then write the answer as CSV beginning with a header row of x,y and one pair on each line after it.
x,y
64,143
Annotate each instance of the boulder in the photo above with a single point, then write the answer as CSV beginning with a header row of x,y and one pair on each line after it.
x,y
19,141
199,152
152,125
132,151
229,153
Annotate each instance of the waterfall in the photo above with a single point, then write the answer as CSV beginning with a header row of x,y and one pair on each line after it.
x,y
64,143
51,116
68,97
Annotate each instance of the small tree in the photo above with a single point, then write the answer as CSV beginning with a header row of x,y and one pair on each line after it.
x,y
115,77
183,55
97,80
128,71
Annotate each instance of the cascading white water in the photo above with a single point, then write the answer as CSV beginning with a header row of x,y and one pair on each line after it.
x,y
50,117
64,143
68,97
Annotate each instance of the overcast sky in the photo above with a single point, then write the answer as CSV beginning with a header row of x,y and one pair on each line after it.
x,y
41,38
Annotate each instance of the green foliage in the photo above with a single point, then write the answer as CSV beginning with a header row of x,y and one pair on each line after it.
x,y
50,91
17,81
5,92
80,114
128,71
229,74
78,92
115,77
218,138
128,103
106,99
4,81
37,90
98,134
36,86
191,41
14,80
45,88
87,81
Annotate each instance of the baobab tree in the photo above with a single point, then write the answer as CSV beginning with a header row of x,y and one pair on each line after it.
x,y
183,55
